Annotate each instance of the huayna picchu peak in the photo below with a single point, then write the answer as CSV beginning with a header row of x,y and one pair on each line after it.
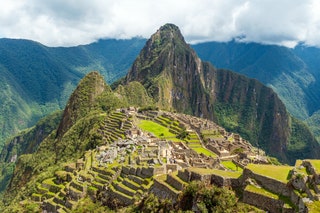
x,y
177,79
175,134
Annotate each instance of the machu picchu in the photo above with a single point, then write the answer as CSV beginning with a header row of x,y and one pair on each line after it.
x,y
133,162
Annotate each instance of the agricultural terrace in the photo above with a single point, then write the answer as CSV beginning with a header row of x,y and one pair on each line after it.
x,y
259,190
316,165
280,173
206,152
230,165
222,173
193,142
157,129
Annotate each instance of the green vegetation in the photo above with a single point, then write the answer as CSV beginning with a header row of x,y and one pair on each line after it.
x,y
230,165
157,129
24,143
301,141
201,150
267,193
280,173
207,199
313,206
262,191
37,80
242,105
211,199
227,174
87,205
315,164
134,94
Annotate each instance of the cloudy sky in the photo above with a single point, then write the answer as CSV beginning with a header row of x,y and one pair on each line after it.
x,y
73,22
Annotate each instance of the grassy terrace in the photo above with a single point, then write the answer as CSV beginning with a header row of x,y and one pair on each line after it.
x,y
206,152
230,165
157,129
279,173
227,174
267,193
315,164
313,206
262,191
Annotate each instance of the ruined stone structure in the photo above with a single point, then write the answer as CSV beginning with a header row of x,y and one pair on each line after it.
x,y
132,163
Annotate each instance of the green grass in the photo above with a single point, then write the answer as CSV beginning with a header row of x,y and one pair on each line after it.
x,y
313,206
206,152
298,163
279,173
315,164
262,191
227,174
230,165
287,202
157,129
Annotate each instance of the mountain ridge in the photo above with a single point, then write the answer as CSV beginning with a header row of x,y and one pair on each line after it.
x,y
36,80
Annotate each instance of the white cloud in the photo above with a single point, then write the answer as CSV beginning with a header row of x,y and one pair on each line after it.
x,y
72,22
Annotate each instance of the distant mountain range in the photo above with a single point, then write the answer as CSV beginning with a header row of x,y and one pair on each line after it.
x,y
293,73
36,80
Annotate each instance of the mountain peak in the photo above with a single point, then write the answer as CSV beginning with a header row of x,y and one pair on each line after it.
x,y
167,33
82,100
165,52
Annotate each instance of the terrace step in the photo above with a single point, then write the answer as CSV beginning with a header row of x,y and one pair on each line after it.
x,y
41,189
69,204
105,177
48,195
74,193
167,191
36,197
77,186
51,186
137,179
175,182
101,180
103,171
51,206
121,196
59,201
97,185
132,185
124,189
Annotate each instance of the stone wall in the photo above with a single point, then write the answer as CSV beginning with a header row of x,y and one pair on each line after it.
x,y
174,182
122,199
143,172
164,192
263,202
184,175
172,167
268,183
226,182
238,164
206,179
